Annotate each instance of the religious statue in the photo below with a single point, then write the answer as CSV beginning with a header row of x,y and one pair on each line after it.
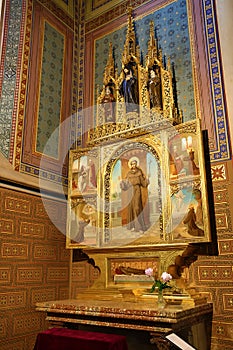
x,y
154,88
135,180
129,89
126,97
109,104
127,270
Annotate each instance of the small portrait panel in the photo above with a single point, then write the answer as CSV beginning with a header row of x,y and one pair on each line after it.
x,y
84,178
83,223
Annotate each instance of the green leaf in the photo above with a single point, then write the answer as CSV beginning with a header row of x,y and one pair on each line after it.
x,y
152,288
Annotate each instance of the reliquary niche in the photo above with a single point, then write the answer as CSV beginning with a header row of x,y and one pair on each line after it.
x,y
141,181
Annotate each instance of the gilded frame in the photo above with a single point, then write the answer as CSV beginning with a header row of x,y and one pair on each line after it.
x,y
82,198
178,208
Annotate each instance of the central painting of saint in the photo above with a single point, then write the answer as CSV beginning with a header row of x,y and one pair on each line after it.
x,y
135,199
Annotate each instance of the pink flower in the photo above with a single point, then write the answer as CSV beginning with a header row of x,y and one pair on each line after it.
x,y
149,272
160,284
166,277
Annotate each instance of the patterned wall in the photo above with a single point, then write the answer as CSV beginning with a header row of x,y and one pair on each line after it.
x,y
83,275
34,265
36,98
47,102
214,276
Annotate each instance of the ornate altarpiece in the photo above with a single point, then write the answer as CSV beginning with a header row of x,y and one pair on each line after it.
x,y
170,156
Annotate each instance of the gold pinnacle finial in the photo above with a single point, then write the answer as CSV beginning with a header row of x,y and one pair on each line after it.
x,y
129,11
151,26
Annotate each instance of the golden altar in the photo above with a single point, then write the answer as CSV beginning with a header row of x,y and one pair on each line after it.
x,y
144,324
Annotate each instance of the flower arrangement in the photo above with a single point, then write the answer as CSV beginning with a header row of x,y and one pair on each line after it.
x,y
160,284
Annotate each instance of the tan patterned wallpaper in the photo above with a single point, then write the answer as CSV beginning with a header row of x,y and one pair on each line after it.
x,y
214,275
34,266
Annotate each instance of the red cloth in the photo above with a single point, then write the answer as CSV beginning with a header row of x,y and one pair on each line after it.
x,y
69,339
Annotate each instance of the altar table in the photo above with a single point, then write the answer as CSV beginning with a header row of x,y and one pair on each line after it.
x,y
64,338
142,321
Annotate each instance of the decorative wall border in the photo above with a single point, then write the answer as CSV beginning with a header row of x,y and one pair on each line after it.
x,y
222,152
78,73
64,11
6,11
17,95
12,40
23,88
44,174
